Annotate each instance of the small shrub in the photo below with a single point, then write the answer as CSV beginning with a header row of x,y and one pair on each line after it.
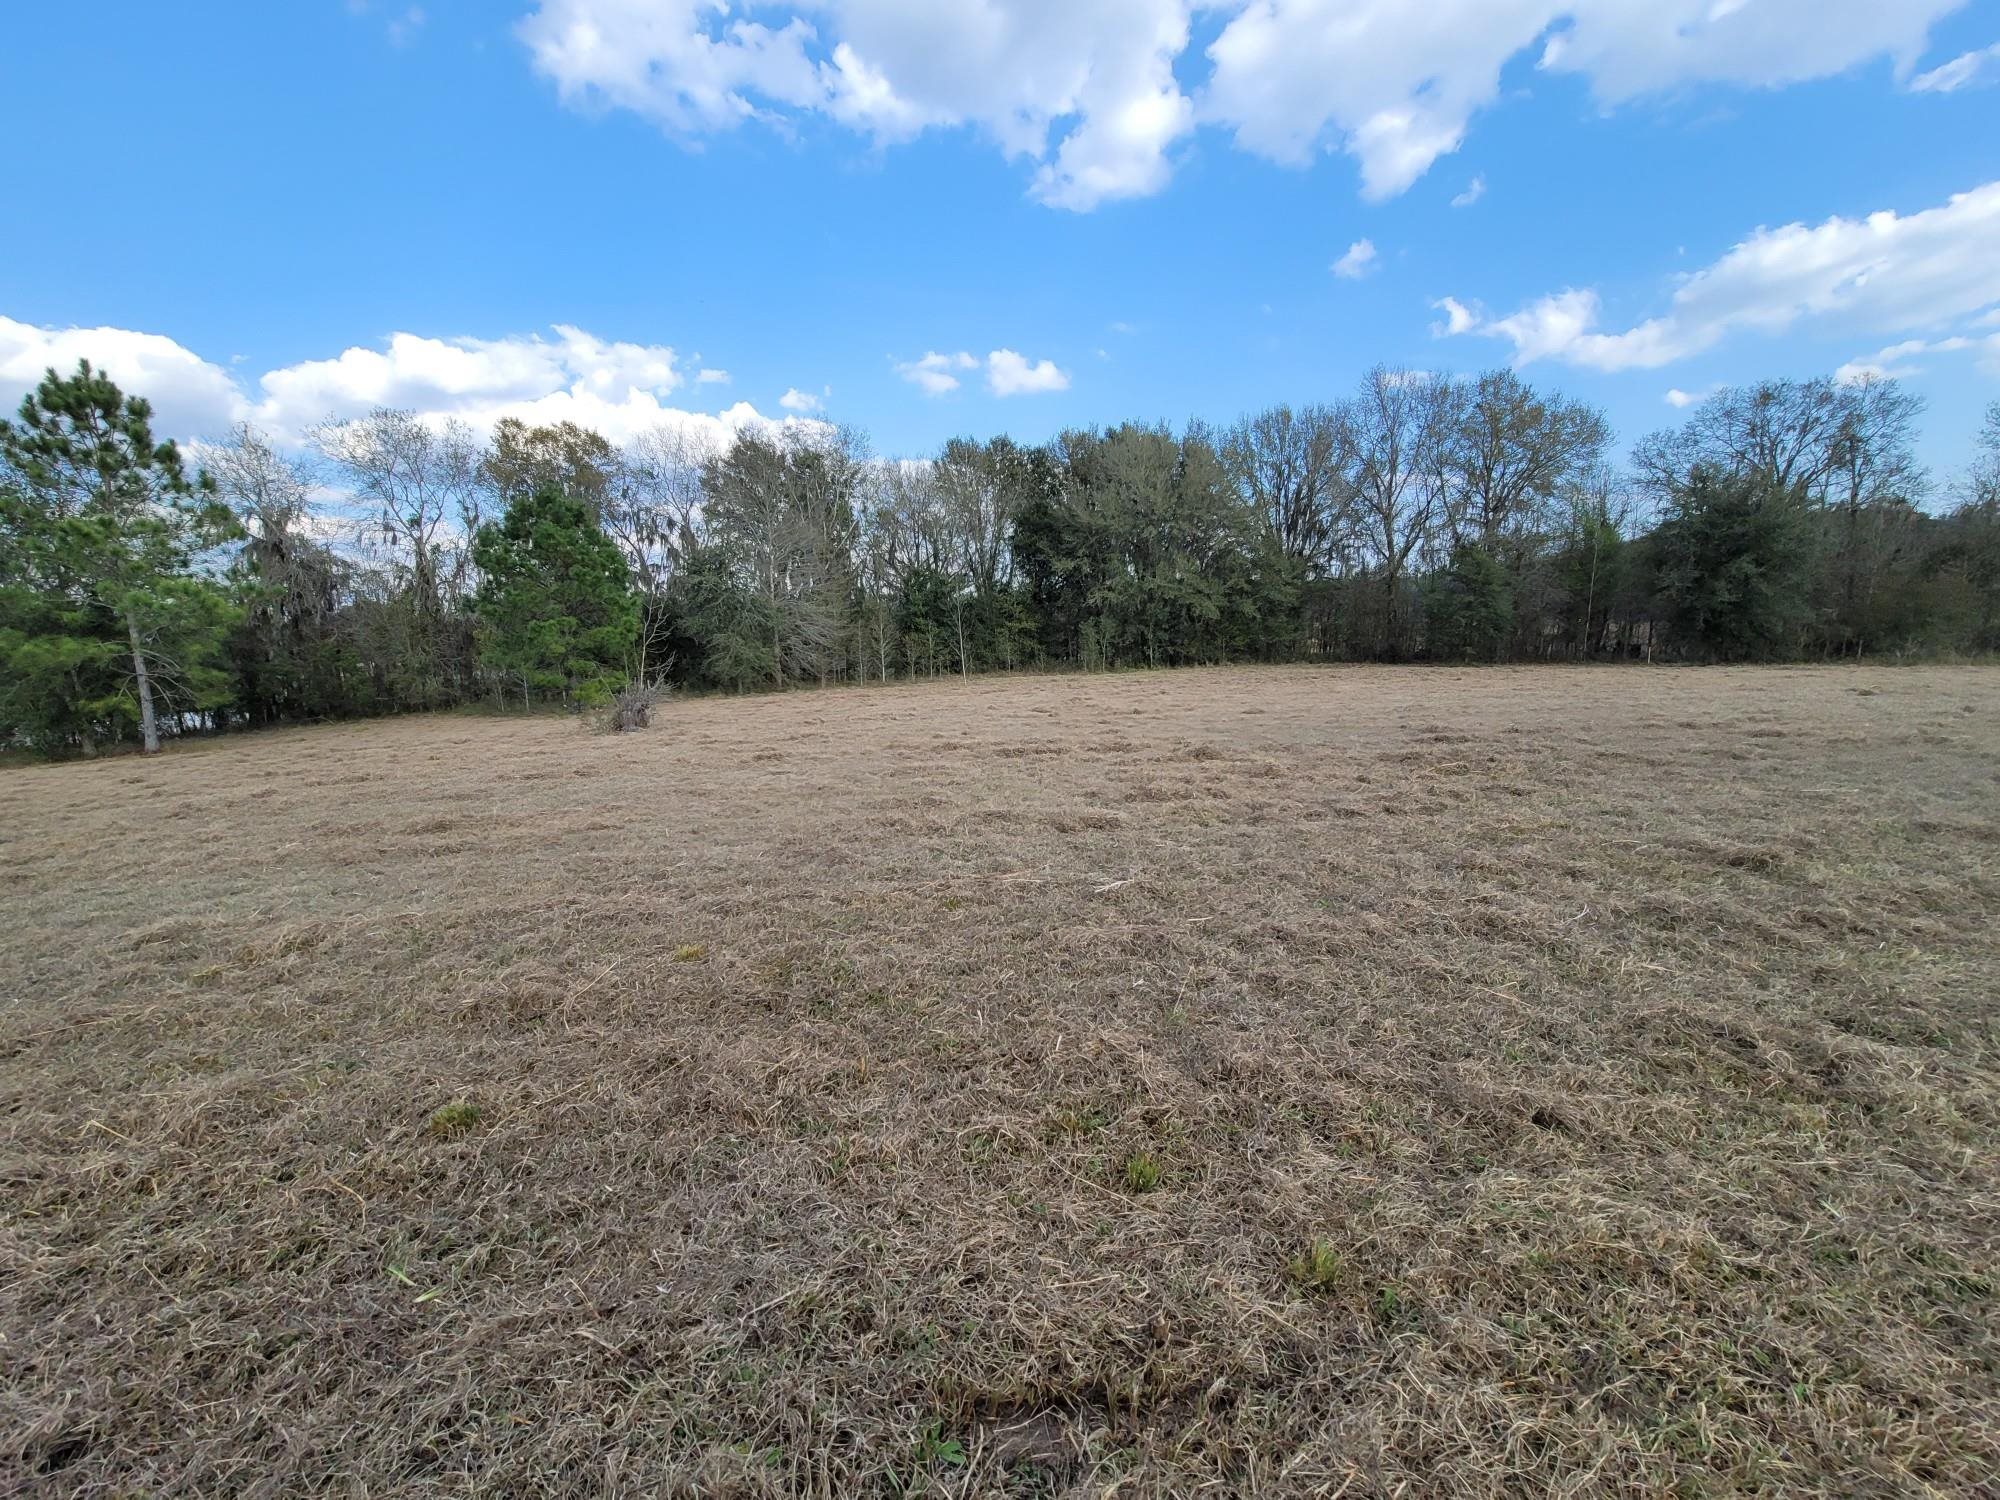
x,y
1142,1173
1316,1271
631,707
454,1119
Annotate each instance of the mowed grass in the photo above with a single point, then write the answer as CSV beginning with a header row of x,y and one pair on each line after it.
x,y
1248,1082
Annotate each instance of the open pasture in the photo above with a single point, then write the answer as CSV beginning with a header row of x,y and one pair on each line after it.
x,y
1277,1081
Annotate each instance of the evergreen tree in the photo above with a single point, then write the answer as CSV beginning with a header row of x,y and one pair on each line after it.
x,y
555,603
1590,567
1469,606
1733,556
728,624
105,624
929,608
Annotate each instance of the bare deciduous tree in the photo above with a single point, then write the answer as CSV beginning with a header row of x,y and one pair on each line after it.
x,y
422,487
1514,449
655,510
423,490
1781,433
1400,425
1294,467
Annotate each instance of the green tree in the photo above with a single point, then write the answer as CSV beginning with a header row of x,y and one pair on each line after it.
x,y
781,509
563,456
929,608
1962,573
1589,568
1733,558
726,623
1469,606
287,652
105,624
555,603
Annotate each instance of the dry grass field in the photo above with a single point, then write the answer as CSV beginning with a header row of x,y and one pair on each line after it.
x,y
1236,1082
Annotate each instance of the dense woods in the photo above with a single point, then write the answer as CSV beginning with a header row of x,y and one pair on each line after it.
x,y
396,564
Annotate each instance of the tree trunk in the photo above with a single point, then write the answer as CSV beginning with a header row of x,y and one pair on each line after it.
x,y
149,725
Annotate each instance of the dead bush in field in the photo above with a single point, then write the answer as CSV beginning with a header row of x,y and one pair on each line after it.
x,y
631,707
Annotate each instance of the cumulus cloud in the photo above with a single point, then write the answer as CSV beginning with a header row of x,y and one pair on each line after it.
x,y
1007,373
934,373
616,387
189,394
1458,318
1679,399
1084,89
1966,70
800,401
1885,273
1011,374
1097,94
713,377
1396,86
1357,262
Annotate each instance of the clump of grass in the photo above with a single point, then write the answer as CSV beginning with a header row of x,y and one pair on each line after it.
x,y
1316,1271
934,1447
1142,1173
1392,1306
690,953
449,1121
1077,1122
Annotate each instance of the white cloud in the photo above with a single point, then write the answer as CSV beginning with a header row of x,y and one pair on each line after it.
x,y
189,395
1458,318
1898,361
1396,85
575,376
1091,92
1474,191
1007,373
933,374
797,400
1084,89
1964,71
1886,273
1357,262
1680,399
713,377
614,387
1011,374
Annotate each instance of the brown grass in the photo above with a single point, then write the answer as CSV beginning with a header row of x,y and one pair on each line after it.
x,y
1558,1082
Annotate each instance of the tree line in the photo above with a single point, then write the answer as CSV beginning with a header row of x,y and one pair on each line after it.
x,y
397,564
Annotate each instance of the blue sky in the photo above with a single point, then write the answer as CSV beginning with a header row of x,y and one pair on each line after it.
x,y
1086,210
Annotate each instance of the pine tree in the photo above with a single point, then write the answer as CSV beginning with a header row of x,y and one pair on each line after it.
x,y
105,621
557,611
1733,555
1469,606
